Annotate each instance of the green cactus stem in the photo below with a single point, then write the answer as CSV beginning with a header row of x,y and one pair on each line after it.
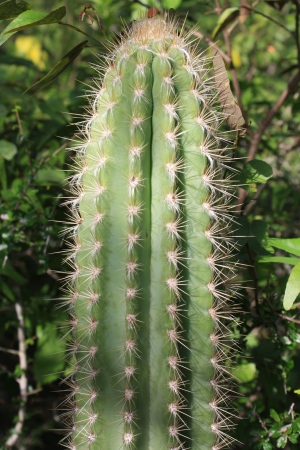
x,y
150,249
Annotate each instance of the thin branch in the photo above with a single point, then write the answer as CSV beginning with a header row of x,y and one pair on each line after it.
x,y
8,350
297,31
34,391
79,30
256,138
270,19
287,318
248,208
289,90
22,381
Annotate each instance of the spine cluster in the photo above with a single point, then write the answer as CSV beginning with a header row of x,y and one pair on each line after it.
x,y
150,253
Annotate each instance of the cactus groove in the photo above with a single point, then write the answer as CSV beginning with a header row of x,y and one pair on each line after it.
x,y
150,253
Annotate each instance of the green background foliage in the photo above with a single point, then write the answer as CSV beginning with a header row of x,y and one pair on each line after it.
x,y
262,45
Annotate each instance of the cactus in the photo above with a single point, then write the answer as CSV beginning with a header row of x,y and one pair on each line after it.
x,y
150,252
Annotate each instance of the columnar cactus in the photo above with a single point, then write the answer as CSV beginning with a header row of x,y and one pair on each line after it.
x,y
151,212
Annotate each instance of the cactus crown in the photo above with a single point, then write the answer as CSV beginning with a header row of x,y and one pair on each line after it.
x,y
150,252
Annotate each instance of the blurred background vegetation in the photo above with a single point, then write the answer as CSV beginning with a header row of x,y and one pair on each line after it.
x,y
261,47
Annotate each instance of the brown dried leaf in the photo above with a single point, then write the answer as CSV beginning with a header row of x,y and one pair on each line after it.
x,y
230,108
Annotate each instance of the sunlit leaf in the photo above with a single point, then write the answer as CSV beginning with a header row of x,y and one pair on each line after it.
x,y
7,150
245,372
12,8
58,68
289,245
29,19
49,176
8,271
260,231
274,415
292,289
168,4
255,171
227,17
278,259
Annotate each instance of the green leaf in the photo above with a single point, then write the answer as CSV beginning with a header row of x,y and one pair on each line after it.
x,y
295,337
296,424
50,176
267,446
227,16
58,68
7,291
7,150
293,438
274,415
292,287
29,19
255,171
260,230
297,391
278,259
245,372
12,8
11,273
168,4
289,245
281,442
48,363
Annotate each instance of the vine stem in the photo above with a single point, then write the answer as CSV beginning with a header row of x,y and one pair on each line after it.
x,y
22,380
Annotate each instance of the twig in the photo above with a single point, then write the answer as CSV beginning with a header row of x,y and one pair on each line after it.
x,y
8,350
256,138
270,19
287,318
79,30
248,208
297,31
22,381
85,13
279,314
290,89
